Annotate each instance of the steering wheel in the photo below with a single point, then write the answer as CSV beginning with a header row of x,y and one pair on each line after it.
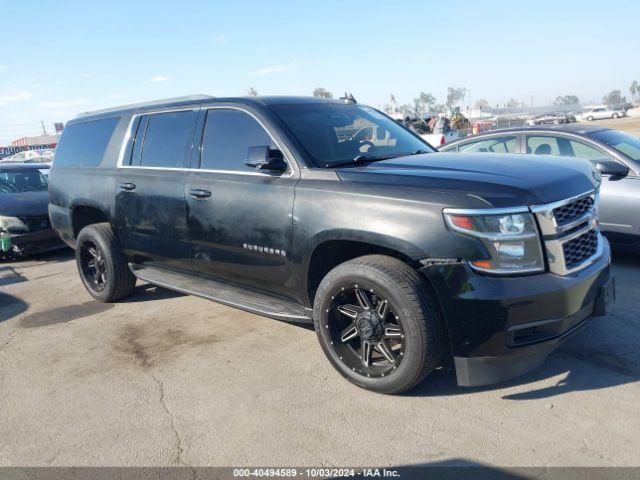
x,y
366,143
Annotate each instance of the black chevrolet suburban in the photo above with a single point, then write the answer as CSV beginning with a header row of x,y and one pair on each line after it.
x,y
330,212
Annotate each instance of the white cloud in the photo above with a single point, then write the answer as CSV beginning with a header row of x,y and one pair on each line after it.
x,y
158,78
87,75
73,102
117,96
3,67
221,38
268,70
14,96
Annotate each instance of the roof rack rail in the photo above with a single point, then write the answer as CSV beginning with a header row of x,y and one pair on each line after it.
x,y
186,98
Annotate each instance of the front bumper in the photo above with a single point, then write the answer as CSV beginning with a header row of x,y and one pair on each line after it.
x,y
33,242
503,327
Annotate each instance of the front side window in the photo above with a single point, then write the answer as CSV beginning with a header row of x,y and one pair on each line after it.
x,y
334,133
622,142
20,181
582,150
168,139
228,136
542,145
491,145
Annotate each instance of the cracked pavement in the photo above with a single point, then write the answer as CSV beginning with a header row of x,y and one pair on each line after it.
x,y
164,379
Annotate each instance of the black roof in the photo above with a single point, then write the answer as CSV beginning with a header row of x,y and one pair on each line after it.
x,y
23,166
204,100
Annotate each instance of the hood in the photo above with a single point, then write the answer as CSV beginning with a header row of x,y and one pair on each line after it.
x,y
504,180
27,204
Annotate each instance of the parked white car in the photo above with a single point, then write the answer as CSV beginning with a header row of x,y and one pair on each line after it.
x,y
602,112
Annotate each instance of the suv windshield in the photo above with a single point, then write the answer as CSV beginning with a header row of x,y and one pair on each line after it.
x,y
19,181
622,142
333,134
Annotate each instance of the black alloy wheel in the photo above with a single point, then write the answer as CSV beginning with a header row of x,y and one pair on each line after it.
x,y
365,331
92,265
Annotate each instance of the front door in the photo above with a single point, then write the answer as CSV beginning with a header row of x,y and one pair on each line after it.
x,y
151,217
240,218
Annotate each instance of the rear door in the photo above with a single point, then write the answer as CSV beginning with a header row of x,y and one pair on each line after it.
x,y
240,218
150,202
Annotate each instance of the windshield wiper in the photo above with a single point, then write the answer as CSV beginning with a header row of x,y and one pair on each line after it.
x,y
360,159
364,158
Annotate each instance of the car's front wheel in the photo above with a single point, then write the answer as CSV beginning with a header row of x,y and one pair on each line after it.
x,y
102,266
590,118
377,324
615,115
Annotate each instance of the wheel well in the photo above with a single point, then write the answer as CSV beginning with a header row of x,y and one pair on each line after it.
x,y
83,216
332,253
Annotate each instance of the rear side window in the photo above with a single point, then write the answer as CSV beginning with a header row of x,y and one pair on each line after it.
x,y
492,145
83,144
228,135
167,139
542,145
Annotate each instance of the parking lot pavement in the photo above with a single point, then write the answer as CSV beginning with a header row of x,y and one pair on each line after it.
x,y
169,379
630,125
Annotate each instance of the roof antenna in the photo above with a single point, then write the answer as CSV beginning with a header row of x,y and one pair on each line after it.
x,y
348,98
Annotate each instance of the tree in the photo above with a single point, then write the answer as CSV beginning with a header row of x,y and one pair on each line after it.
x,y
322,93
634,89
614,97
252,92
455,95
566,100
512,103
481,104
424,103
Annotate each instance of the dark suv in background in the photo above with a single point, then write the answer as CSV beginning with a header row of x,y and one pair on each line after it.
x,y
401,257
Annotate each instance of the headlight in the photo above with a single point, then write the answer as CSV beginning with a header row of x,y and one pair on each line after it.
x,y
12,225
511,239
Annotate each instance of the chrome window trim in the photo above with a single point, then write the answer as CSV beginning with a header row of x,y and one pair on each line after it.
x,y
290,163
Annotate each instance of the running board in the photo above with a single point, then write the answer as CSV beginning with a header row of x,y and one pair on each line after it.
x,y
225,293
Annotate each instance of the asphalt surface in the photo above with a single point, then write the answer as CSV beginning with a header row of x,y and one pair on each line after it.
x,y
168,379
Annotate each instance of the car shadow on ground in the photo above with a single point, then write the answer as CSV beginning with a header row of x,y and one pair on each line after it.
x,y
148,292
10,307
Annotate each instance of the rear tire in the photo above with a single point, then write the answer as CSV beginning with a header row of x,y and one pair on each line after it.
x,y
590,118
615,115
102,266
400,324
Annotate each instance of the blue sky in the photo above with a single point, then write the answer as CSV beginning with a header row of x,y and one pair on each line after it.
x,y
60,58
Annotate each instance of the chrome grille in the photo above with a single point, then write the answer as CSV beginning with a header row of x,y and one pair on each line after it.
x,y
573,210
580,249
570,233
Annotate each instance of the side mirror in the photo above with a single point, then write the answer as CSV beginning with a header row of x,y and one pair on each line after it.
x,y
609,167
264,158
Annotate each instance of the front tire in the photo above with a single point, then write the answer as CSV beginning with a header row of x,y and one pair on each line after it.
x,y
615,115
102,266
377,324
590,118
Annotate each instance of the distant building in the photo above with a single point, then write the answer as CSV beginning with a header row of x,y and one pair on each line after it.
x,y
32,141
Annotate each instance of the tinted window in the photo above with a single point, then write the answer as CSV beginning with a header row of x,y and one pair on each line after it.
x,y
541,145
228,135
497,145
85,143
168,139
335,133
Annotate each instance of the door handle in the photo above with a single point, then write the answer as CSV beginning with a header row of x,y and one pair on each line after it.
x,y
199,193
127,186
